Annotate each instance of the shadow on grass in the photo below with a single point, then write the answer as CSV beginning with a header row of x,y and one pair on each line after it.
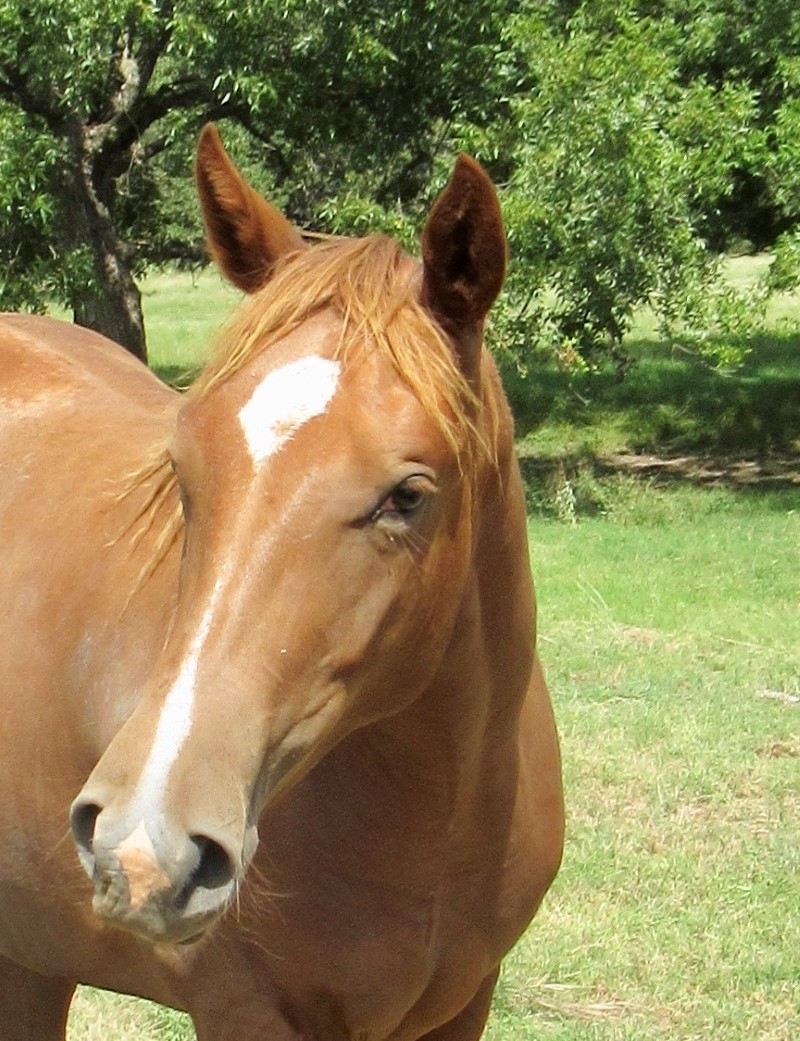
x,y
177,376
570,488
668,403
595,444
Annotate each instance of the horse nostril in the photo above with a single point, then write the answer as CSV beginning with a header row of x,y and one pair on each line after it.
x,y
215,867
83,818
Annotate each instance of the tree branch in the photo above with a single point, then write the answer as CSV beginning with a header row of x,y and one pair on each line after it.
x,y
242,115
137,62
187,95
15,89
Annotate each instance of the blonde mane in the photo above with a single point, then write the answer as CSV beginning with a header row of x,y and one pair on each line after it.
x,y
375,288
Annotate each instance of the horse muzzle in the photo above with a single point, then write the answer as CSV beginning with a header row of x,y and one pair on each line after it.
x,y
162,883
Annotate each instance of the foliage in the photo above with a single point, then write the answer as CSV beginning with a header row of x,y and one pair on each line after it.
x,y
784,273
784,172
606,158
632,141
752,45
111,93
26,212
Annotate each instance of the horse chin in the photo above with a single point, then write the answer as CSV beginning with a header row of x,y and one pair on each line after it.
x,y
155,928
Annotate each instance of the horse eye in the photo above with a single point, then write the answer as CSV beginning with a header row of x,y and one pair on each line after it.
x,y
404,499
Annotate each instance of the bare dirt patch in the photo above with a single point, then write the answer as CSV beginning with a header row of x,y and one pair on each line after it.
x,y
773,471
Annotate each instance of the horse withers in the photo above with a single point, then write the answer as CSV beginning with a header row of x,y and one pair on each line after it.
x,y
268,649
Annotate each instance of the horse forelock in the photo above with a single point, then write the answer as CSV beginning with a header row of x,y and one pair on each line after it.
x,y
375,288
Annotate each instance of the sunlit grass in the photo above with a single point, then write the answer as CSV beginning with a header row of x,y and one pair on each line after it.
x,y
98,1016
674,915
185,314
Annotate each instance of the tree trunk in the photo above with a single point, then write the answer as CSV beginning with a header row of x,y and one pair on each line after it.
x,y
111,303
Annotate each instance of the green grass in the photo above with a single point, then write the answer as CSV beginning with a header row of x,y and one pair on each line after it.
x,y
98,1016
667,612
184,315
666,403
675,914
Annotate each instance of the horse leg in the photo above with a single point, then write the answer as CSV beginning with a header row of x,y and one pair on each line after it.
x,y
469,1023
32,1007
258,1020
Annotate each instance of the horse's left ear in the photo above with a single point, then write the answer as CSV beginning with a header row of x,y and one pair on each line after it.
x,y
246,234
464,257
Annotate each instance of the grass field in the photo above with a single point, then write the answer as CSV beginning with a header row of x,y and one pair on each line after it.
x,y
670,628
675,915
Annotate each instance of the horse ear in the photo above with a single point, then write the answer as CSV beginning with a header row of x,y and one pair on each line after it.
x,y
464,256
246,235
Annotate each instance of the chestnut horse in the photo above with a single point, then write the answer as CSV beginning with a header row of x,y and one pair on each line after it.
x,y
269,648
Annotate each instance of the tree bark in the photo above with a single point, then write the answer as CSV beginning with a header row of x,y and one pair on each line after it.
x,y
111,304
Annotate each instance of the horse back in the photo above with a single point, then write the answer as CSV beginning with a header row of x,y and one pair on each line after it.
x,y
42,358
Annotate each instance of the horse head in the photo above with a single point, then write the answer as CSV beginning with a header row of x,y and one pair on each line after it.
x,y
327,465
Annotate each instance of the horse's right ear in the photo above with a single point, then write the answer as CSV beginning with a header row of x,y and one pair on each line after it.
x,y
246,235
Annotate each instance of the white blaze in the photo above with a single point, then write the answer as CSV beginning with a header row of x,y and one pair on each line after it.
x,y
285,400
175,720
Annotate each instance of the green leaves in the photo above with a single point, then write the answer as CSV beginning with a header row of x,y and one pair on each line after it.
x,y
628,139
614,161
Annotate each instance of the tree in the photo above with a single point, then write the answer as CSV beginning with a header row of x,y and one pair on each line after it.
x,y
742,45
94,94
607,159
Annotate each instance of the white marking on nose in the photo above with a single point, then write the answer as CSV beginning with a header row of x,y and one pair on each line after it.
x,y
175,720
285,400
138,860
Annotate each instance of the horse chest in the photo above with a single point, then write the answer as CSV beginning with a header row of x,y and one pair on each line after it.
x,y
369,967
350,944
